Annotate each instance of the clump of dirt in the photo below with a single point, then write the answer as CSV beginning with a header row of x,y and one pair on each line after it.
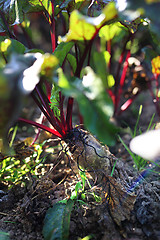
x,y
22,209
97,219
141,222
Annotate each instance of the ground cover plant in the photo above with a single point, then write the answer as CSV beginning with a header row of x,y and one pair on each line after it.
x,y
98,62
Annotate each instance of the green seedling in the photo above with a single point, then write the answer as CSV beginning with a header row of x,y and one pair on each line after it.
x,y
80,193
139,162
16,168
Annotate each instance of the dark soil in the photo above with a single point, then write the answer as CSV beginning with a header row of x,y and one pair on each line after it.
x,y
23,208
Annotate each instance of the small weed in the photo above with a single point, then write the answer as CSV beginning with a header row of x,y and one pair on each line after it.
x,y
88,66
139,162
80,192
25,161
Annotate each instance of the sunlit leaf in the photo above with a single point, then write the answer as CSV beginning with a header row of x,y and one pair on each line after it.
x,y
63,81
109,11
34,5
156,65
46,4
109,31
79,29
85,28
110,81
49,64
11,46
38,5
4,45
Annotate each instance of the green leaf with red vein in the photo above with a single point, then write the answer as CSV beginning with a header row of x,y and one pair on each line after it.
x,y
85,28
12,11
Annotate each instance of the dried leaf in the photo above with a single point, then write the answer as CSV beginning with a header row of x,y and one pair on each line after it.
x,y
120,202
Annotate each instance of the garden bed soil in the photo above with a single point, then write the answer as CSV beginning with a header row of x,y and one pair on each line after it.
x,y
23,208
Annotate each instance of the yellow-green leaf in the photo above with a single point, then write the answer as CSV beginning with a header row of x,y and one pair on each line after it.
x,y
80,28
85,28
49,64
110,11
109,31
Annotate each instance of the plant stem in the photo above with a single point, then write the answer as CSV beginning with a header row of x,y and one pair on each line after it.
x,y
111,94
130,36
128,103
52,30
41,126
76,53
69,113
45,101
89,53
5,59
48,89
123,76
61,102
88,46
39,130
41,107
81,62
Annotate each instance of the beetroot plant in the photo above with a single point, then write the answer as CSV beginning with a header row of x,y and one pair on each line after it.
x,y
87,65
93,48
